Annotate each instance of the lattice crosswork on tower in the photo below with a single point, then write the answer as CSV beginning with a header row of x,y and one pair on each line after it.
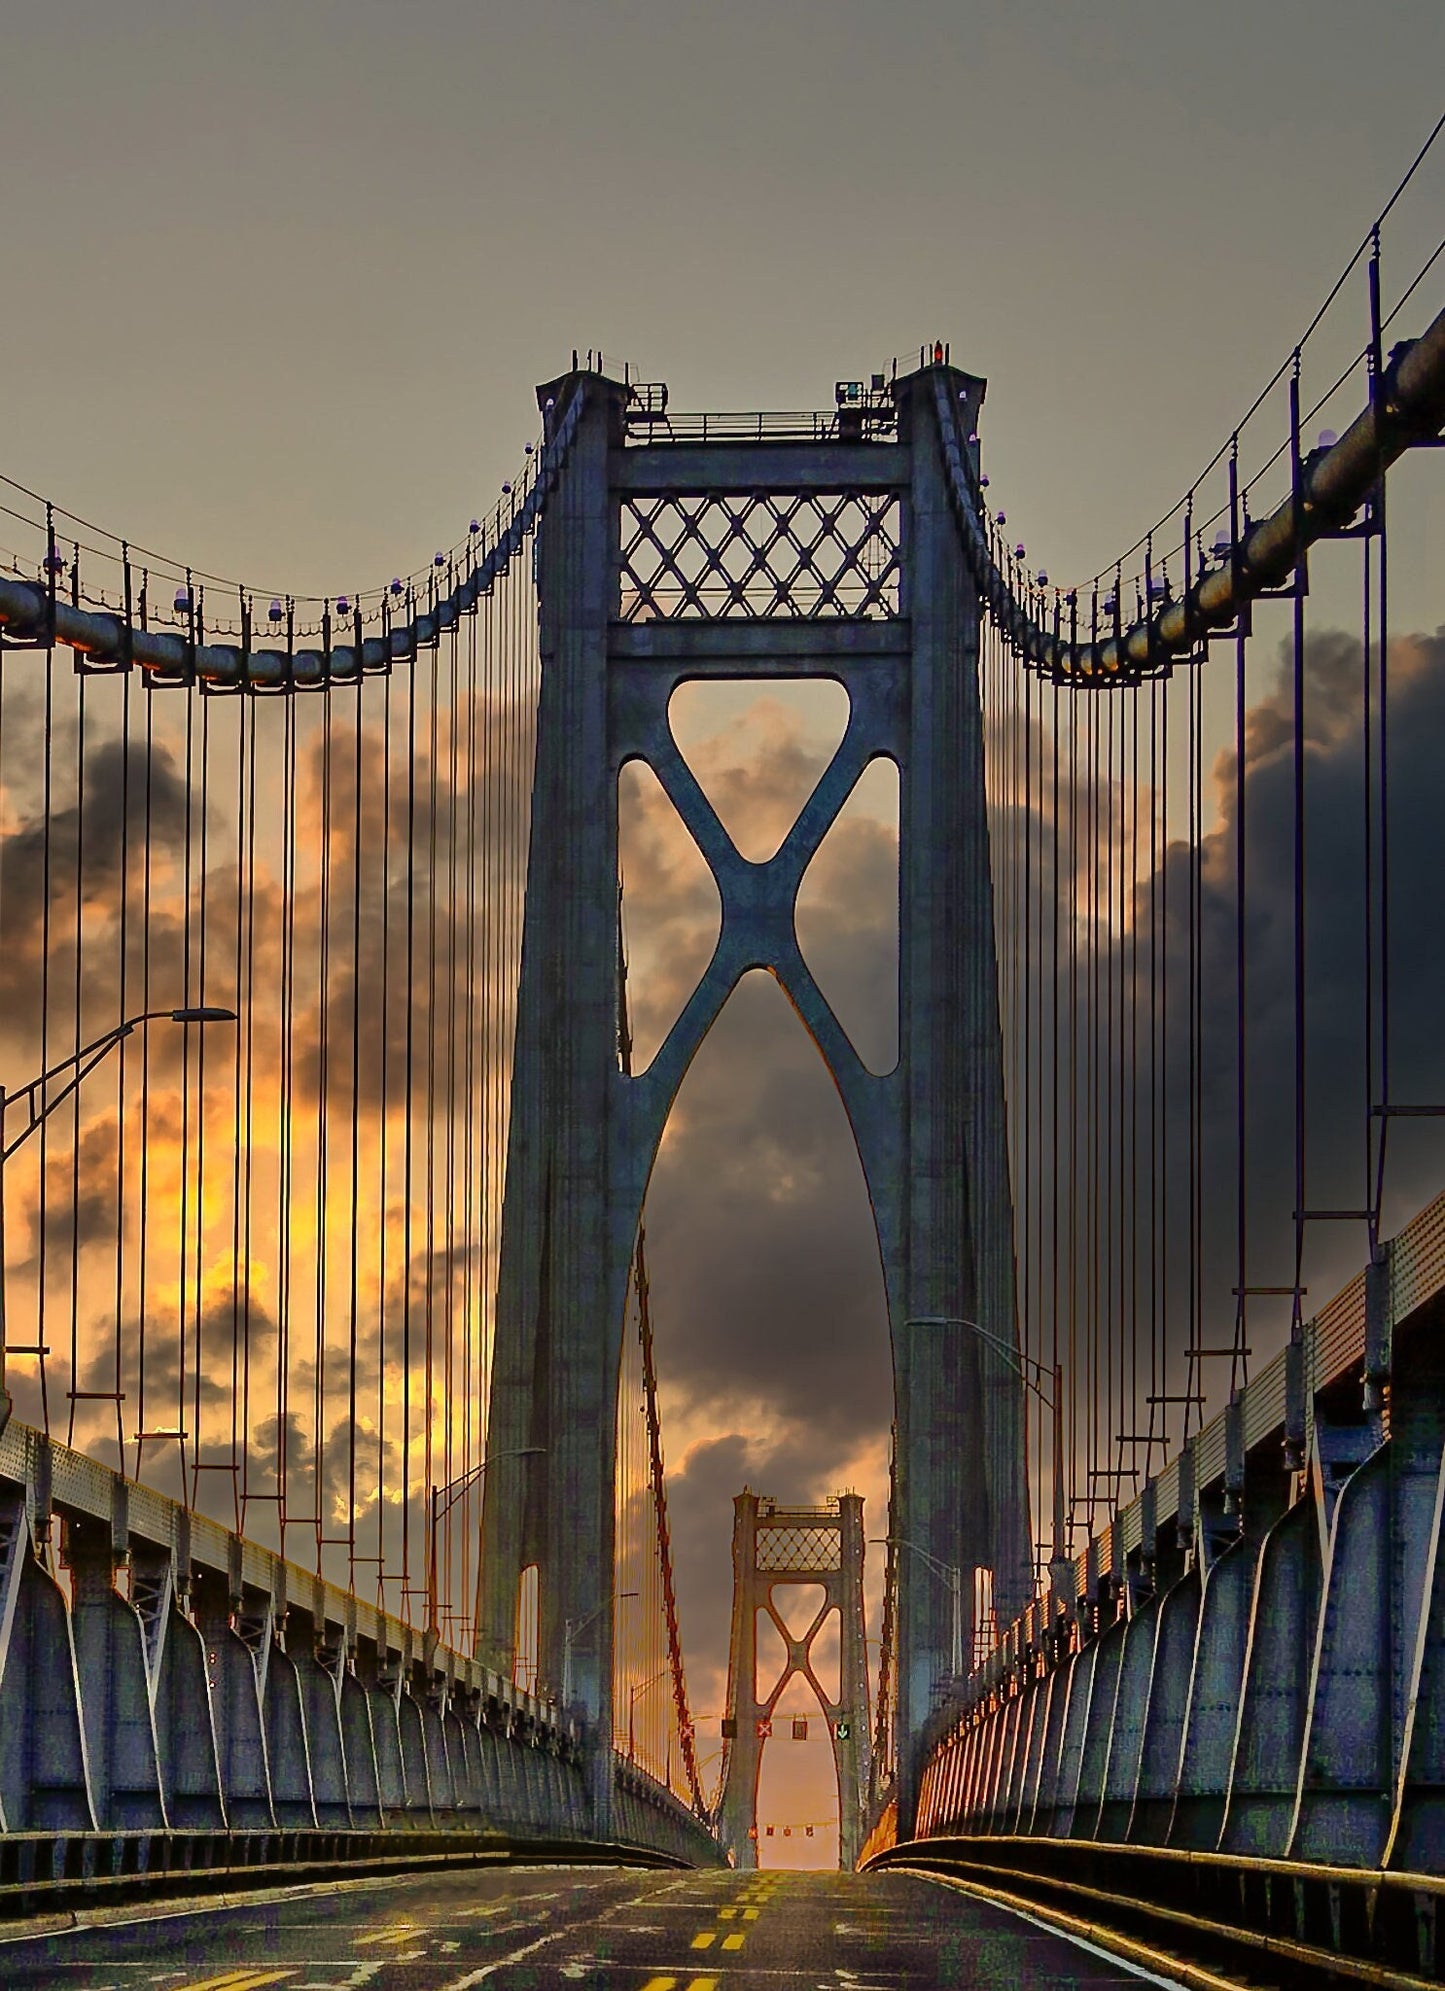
x,y
802,554
794,1546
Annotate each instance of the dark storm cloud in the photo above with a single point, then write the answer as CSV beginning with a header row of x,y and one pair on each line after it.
x,y
762,1248
69,865
424,929
764,1268
774,1296
1335,993
1335,937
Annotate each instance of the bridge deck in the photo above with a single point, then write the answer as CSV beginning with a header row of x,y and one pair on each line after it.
x,y
614,1929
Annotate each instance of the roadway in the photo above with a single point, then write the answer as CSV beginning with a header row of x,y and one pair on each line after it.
x,y
522,1929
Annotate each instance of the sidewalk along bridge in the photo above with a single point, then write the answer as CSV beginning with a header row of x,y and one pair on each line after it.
x,y
325,1304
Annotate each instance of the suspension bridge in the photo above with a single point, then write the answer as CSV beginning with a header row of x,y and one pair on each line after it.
x,y
333,1501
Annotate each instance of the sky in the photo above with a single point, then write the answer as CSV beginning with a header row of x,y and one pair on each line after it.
x,y
280,280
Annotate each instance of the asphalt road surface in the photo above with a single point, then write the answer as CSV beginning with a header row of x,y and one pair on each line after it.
x,y
521,1929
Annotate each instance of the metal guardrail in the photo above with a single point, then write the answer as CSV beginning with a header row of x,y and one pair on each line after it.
x,y
1292,1923
223,1689
1331,1349
49,1875
57,1478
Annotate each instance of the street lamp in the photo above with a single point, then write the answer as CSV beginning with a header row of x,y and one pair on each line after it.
x,y
1021,1365
38,1109
443,1499
634,1695
952,1578
570,1633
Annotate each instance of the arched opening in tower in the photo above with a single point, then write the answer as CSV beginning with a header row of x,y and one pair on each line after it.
x,y
766,1288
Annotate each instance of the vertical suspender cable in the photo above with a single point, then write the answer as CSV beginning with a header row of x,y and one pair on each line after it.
x,y
123,994
383,1187
1297,684
142,1217
246,1043
408,1124
47,880
76,1004
1382,707
322,1283
358,838
1241,969
199,1261
286,1179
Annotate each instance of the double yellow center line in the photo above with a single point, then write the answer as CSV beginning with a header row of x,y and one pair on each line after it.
x,y
747,1907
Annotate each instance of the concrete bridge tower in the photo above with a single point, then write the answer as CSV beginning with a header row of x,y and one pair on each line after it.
x,y
754,547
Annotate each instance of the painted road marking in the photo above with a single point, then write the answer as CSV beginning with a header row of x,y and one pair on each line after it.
x,y
704,1939
238,1980
660,1984
750,1914
490,1969
399,1932
734,1942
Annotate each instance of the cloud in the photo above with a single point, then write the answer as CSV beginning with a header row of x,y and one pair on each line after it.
x,y
766,1298
767,1293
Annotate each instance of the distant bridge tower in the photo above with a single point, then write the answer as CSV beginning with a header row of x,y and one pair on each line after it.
x,y
774,1547
754,548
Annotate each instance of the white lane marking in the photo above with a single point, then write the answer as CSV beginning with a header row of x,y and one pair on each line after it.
x,y
80,1921
648,1900
490,1969
1110,1957
185,1909
1104,1956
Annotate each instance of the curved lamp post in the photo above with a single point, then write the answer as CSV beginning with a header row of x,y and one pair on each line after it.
x,y
443,1499
951,1577
570,1632
39,1107
1028,1372
634,1695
